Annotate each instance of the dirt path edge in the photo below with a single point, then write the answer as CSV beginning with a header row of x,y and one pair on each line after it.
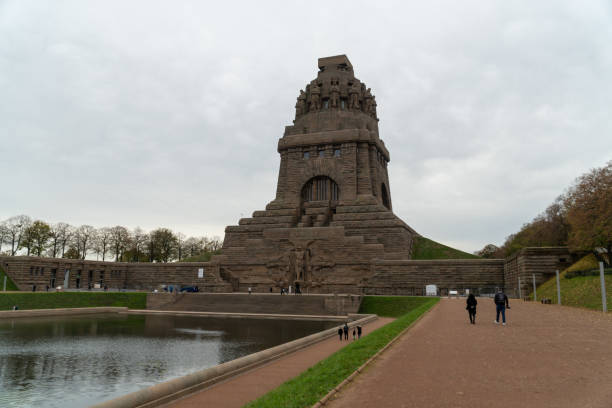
x,y
321,403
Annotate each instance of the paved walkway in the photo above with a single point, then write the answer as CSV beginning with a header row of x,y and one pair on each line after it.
x,y
237,391
547,356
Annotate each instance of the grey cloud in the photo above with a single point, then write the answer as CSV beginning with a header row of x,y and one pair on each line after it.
x,y
163,114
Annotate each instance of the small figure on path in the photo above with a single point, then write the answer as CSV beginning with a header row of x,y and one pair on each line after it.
x,y
354,333
471,303
340,333
358,332
345,331
249,290
501,303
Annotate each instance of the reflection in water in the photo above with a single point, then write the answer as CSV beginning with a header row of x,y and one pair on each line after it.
x,y
77,361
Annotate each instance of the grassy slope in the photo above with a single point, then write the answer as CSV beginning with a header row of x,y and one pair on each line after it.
x,y
425,248
43,300
314,383
10,285
580,291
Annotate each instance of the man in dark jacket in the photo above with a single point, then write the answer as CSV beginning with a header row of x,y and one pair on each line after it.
x,y
501,303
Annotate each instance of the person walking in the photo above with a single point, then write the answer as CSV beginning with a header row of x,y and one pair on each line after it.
x,y
354,333
358,332
471,303
501,304
345,331
340,333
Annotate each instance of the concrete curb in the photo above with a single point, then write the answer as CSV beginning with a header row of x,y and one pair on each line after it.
x,y
167,391
244,315
5,314
321,403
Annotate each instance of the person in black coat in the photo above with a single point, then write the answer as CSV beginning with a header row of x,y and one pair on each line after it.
x,y
340,333
345,328
471,303
501,304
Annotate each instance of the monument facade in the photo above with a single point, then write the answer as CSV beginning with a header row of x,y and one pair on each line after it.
x,y
332,214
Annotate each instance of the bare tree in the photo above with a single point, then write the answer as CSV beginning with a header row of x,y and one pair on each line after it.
x,y
119,240
180,245
85,236
139,239
4,234
16,227
193,246
102,243
61,234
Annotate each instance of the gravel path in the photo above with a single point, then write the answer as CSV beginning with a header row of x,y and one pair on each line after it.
x,y
237,391
547,356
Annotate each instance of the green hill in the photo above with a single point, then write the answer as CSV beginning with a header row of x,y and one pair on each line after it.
x,y
425,248
577,290
10,285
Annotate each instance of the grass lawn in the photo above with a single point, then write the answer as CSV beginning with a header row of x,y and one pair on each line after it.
x,y
425,248
10,285
579,291
56,300
313,384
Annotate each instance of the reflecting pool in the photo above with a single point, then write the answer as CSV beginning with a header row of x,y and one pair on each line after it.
x,y
81,360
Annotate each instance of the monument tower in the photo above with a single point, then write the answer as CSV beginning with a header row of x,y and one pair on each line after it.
x,y
332,215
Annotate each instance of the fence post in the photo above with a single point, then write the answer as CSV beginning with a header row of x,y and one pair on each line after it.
x,y
604,302
558,288
519,281
535,293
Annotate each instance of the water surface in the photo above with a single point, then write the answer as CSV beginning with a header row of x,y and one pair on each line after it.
x,y
81,360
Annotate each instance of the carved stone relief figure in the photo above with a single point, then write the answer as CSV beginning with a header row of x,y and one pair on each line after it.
x,y
315,98
300,105
367,101
334,93
354,96
300,256
373,107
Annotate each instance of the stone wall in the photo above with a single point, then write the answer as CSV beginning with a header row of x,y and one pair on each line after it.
x,y
530,262
335,263
316,305
42,272
404,277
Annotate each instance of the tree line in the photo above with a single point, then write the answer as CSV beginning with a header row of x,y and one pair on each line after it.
x,y
580,218
20,235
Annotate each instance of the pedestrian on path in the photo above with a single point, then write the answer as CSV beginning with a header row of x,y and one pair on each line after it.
x,y
501,303
471,303
345,331
340,333
358,332
354,333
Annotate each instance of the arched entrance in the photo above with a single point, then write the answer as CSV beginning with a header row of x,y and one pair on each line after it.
x,y
320,188
319,197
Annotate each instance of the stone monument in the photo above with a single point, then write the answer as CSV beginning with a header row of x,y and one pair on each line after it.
x,y
332,215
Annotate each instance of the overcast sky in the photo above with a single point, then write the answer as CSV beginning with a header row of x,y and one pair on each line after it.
x,y
168,114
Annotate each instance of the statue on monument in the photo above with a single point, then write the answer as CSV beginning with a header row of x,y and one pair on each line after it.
x,y
367,101
334,93
300,105
354,96
315,98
